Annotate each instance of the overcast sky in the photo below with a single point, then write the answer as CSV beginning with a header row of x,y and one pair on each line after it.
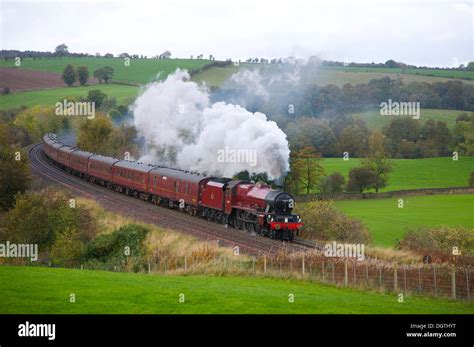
x,y
433,33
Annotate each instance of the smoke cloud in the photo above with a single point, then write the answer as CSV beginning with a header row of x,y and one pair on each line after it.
x,y
180,127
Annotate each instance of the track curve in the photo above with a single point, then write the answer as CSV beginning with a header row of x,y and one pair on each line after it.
x,y
168,218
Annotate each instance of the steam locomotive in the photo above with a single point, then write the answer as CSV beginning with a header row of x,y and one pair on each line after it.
x,y
244,205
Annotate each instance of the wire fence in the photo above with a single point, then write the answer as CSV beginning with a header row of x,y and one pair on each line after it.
x,y
438,280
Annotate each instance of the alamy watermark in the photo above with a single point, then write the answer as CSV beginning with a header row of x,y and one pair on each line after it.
x,y
75,108
345,250
395,108
230,155
19,250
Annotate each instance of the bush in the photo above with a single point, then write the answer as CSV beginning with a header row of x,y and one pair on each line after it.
x,y
471,180
360,179
68,246
111,248
333,183
322,221
6,91
14,175
96,96
42,217
439,239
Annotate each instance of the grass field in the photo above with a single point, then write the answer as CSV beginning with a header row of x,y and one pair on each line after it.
x,y
375,121
387,223
145,70
140,70
122,93
46,290
409,71
415,173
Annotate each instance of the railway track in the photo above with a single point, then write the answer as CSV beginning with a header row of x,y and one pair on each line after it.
x,y
168,218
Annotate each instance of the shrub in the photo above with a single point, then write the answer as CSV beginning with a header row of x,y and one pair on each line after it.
x,y
113,248
360,179
14,175
323,221
471,180
440,239
40,217
333,183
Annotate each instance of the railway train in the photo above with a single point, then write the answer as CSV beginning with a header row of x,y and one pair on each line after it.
x,y
256,208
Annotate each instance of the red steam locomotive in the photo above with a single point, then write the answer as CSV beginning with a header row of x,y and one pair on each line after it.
x,y
240,204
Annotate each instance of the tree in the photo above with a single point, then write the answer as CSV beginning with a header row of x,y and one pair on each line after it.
x,y
69,75
377,161
360,179
104,74
94,135
61,50
305,169
353,140
96,96
470,66
311,132
14,174
82,74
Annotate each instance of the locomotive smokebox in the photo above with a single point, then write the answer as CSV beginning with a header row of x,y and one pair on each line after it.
x,y
280,202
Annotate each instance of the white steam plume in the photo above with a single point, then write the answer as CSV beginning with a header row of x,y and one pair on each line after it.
x,y
181,128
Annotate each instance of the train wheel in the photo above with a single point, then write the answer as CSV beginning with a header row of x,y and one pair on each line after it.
x,y
239,224
272,234
250,227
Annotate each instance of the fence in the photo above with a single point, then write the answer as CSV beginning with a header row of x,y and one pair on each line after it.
x,y
383,195
456,282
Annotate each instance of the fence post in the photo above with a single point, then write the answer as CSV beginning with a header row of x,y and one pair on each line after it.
x,y
395,278
404,279
302,265
354,263
322,266
419,279
185,263
265,264
225,262
149,269
434,276
467,285
253,264
367,273
380,277
333,278
82,266
346,280
453,283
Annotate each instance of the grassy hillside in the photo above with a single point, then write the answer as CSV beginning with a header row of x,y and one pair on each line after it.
x,y
123,94
375,121
140,70
409,71
46,290
387,222
415,173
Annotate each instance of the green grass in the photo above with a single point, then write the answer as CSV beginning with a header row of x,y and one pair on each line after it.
x,y
375,121
46,290
140,70
387,222
414,173
409,71
216,76
49,97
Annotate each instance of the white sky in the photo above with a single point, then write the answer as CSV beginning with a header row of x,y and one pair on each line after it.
x,y
433,33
